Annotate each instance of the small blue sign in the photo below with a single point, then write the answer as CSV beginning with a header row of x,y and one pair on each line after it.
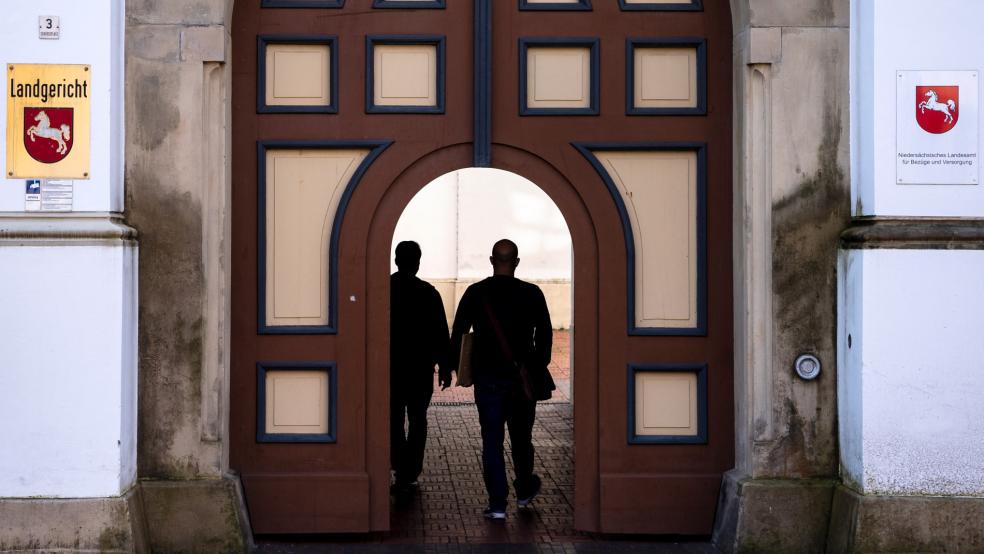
x,y
33,186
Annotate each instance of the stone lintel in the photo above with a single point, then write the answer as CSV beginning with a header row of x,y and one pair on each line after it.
x,y
920,233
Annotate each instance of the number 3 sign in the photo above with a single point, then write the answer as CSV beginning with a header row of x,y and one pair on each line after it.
x,y
48,27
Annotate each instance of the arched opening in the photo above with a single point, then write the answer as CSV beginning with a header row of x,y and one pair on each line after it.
x,y
455,219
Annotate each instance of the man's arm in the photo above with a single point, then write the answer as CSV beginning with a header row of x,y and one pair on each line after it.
x,y
437,324
543,332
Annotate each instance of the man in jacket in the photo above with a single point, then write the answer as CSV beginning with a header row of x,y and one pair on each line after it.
x,y
418,341
512,327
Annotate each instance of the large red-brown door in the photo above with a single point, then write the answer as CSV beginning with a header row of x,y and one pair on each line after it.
x,y
619,110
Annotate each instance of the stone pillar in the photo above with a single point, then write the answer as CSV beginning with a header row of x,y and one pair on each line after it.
x,y
68,335
911,297
791,204
178,190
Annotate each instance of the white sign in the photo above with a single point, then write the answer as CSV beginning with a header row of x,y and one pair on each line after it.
x,y
32,195
49,27
937,128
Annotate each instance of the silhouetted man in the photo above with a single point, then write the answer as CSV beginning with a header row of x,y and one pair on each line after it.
x,y
418,341
512,326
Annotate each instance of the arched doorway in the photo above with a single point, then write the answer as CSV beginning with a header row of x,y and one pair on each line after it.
x,y
654,421
455,219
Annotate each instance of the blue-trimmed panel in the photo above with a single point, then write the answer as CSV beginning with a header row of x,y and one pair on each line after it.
x,y
587,150
375,148
676,42
435,40
580,5
482,150
302,3
431,4
556,42
261,371
261,43
700,437
692,6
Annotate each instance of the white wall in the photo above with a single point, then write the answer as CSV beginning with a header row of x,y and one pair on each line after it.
x,y
912,419
67,371
91,33
900,35
458,217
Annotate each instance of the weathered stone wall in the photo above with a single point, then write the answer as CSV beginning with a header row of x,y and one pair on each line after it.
x,y
175,184
793,112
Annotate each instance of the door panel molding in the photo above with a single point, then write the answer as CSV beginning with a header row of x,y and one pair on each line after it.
x,y
588,150
375,148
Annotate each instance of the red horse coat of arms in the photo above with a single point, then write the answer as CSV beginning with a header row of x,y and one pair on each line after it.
x,y
48,133
937,108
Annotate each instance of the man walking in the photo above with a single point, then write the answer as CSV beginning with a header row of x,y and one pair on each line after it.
x,y
512,327
418,340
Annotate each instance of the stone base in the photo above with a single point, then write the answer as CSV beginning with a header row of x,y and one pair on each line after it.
x,y
155,516
860,523
773,515
96,524
195,516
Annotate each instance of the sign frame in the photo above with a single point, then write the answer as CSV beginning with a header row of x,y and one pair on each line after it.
x,y
55,142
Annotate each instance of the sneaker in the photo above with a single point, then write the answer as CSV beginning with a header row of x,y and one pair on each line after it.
x,y
535,490
489,513
401,488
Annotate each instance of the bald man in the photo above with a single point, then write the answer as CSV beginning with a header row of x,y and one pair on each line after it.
x,y
512,326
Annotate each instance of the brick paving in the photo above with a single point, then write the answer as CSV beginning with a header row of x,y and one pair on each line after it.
x,y
445,512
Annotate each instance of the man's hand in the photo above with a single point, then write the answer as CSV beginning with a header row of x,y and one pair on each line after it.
x,y
445,378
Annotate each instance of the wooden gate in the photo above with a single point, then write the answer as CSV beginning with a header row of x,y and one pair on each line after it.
x,y
620,110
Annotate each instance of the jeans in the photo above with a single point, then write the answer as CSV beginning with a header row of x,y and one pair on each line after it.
x,y
500,405
408,402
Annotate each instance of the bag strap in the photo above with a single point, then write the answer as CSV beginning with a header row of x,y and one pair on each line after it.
x,y
503,343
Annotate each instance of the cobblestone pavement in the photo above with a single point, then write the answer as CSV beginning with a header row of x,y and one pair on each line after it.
x,y
445,512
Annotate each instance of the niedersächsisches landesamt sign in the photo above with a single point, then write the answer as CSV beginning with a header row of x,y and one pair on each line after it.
x,y
937,128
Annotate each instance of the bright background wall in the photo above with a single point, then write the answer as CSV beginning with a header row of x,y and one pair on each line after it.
x,y
459,216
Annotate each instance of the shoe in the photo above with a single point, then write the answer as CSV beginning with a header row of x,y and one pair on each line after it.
x,y
489,513
525,501
400,488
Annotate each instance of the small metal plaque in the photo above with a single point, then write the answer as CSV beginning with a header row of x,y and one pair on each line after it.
x,y
49,27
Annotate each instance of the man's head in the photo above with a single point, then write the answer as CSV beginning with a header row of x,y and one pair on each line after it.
x,y
504,258
408,257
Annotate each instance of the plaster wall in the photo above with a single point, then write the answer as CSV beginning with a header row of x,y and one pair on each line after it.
x,y
68,378
898,35
914,381
91,33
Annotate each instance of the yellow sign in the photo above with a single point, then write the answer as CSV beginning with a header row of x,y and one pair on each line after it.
x,y
48,118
